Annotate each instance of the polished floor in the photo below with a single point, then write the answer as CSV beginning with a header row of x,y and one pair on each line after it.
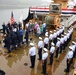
x,y
18,61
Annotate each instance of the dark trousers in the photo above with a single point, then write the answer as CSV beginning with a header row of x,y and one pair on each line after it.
x,y
51,58
40,53
50,44
26,40
61,48
46,46
8,48
32,58
57,51
68,66
55,40
44,66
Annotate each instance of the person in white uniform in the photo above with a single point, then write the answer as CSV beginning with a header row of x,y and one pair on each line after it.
x,y
55,37
32,54
46,41
52,49
69,59
62,42
50,39
40,47
44,60
57,47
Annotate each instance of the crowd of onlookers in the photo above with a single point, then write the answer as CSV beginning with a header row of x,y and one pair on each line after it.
x,y
14,33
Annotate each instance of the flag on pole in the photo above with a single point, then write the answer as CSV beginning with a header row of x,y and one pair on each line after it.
x,y
21,20
12,19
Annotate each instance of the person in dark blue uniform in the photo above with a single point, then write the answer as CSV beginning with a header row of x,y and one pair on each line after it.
x,y
27,35
19,25
18,39
4,27
21,34
7,41
13,40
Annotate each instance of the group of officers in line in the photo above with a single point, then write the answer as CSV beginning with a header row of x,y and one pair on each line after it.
x,y
55,42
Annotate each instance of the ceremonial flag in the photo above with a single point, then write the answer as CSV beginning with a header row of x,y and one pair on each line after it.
x,y
12,19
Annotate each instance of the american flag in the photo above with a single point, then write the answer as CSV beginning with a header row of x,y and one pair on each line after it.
x,y
12,19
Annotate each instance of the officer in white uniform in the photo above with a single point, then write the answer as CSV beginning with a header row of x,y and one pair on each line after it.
x,y
40,46
46,41
73,48
65,40
55,37
69,59
57,47
44,60
50,39
62,42
52,49
32,54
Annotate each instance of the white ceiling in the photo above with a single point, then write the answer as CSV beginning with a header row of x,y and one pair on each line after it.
x,y
8,4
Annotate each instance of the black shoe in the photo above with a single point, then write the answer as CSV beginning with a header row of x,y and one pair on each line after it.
x,y
73,67
66,70
57,60
38,59
49,64
45,74
31,67
42,72
9,52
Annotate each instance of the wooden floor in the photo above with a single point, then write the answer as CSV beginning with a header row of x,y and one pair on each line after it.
x,y
18,61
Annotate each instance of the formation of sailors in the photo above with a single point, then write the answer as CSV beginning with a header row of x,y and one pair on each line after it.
x,y
55,42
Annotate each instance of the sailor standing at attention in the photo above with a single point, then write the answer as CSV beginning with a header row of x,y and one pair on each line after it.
x,y
52,49
44,60
40,47
50,39
32,54
46,41
69,59
57,47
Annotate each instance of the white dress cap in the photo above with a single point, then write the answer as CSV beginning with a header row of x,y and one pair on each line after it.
x,y
40,38
46,34
58,38
54,30
52,43
62,35
65,33
31,44
45,49
73,42
70,47
50,31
